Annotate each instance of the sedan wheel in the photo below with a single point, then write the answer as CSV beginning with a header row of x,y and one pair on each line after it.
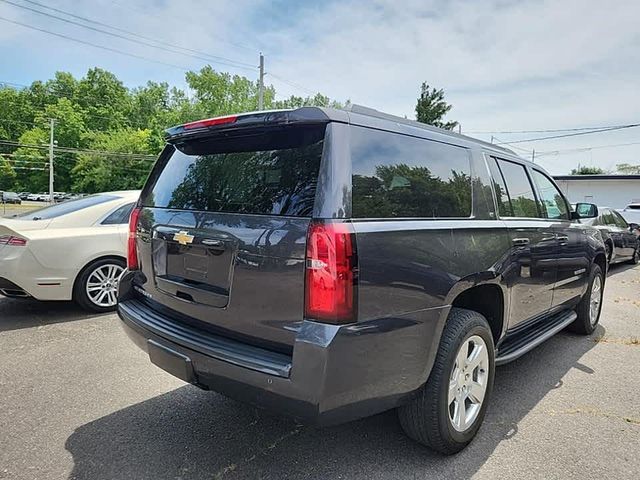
x,y
96,287
102,285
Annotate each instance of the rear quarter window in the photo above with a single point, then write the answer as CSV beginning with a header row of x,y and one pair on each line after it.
x,y
397,176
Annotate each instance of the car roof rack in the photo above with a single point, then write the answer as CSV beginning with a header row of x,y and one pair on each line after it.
x,y
372,112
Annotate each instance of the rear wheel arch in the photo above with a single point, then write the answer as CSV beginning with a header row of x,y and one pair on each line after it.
x,y
80,296
488,300
609,253
90,262
601,260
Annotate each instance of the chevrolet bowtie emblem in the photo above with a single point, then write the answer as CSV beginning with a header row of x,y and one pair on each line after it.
x,y
183,237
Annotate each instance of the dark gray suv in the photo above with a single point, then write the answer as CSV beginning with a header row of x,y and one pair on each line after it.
x,y
331,264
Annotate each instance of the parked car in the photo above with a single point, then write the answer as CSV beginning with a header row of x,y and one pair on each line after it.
x,y
620,238
24,195
10,197
33,197
331,264
631,213
72,250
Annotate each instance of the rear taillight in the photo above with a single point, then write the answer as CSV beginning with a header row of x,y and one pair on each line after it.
x,y
132,246
331,266
13,240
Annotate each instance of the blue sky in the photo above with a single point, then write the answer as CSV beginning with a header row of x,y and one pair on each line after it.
x,y
504,65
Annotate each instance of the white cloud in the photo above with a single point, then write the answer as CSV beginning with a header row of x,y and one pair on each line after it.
x,y
504,65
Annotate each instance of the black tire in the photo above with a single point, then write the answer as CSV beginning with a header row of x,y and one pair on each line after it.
x,y
636,256
80,295
584,324
426,418
608,251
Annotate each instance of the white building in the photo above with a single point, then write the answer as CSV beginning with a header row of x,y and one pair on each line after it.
x,y
615,191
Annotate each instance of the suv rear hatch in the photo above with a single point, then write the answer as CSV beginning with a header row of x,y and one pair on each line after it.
x,y
222,227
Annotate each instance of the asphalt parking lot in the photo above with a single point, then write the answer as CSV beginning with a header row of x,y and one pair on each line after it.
x,y
78,400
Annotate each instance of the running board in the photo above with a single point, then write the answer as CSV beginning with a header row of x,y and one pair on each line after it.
x,y
519,344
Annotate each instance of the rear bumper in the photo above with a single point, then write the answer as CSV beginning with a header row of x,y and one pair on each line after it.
x,y
20,267
335,374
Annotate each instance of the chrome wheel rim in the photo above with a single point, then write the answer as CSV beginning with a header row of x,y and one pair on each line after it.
x,y
102,285
595,300
468,383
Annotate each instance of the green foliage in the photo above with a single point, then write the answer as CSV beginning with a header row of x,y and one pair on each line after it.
x,y
7,175
431,108
628,169
98,112
98,173
587,171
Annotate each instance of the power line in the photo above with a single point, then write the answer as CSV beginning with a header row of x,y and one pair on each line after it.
x,y
553,130
609,129
102,47
585,149
208,58
139,156
147,13
293,84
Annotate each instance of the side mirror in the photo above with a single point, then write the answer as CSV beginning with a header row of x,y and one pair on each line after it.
x,y
585,210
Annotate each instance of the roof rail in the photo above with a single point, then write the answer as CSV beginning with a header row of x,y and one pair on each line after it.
x,y
372,112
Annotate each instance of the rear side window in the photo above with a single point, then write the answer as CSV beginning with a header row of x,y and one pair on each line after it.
x,y
396,175
522,200
500,187
620,222
119,216
553,202
272,171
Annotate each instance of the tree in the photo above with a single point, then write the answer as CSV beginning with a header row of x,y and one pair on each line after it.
x,y
98,112
628,169
125,169
7,174
431,108
587,171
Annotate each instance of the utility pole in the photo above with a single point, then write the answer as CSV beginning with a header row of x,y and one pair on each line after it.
x,y
491,138
533,156
261,84
51,123
459,129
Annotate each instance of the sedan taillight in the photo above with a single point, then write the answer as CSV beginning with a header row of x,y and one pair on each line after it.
x,y
132,246
13,240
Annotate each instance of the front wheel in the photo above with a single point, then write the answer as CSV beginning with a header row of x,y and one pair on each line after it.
x,y
590,306
96,288
448,411
636,256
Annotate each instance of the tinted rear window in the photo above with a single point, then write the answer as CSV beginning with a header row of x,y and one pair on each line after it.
x,y
397,175
273,171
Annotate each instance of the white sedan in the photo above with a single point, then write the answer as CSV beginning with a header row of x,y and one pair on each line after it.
x,y
75,250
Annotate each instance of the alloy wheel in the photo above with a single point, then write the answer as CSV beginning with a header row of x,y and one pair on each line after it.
x,y
102,285
595,300
468,383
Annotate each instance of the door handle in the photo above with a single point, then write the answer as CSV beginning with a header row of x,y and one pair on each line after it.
x,y
563,239
520,242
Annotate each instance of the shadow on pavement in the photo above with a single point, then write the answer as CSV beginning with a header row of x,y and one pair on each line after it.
x,y
617,268
17,313
188,433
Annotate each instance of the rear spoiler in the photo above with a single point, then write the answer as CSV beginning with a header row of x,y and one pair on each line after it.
x,y
252,119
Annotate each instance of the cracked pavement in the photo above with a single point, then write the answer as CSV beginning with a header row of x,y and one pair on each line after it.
x,y
79,400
